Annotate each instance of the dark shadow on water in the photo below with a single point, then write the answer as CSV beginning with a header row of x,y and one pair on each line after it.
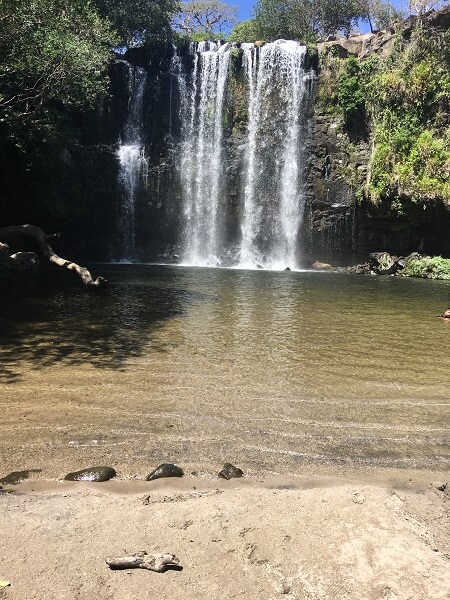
x,y
55,320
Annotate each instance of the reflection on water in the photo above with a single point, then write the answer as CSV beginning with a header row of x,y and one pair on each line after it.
x,y
272,370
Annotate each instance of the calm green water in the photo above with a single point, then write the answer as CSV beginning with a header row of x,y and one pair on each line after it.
x,y
278,372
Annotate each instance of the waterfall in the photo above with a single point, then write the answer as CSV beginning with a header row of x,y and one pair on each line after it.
x,y
133,166
270,198
202,170
273,187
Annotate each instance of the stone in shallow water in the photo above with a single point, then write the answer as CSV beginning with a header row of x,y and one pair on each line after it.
x,y
17,476
229,471
92,474
165,470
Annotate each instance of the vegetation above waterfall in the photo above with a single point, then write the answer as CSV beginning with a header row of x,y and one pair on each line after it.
x,y
139,20
204,19
298,19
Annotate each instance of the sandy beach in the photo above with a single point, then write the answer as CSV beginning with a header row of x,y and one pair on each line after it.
x,y
294,539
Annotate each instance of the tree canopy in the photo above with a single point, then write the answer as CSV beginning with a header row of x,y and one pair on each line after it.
x,y
207,17
247,31
380,14
307,19
53,55
134,19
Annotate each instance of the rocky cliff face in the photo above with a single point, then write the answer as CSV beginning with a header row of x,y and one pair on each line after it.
x,y
343,220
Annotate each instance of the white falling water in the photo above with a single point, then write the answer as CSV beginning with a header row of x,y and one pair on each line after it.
x,y
271,200
273,196
133,166
252,211
202,169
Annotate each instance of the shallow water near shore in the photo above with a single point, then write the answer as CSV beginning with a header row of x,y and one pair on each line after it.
x,y
280,373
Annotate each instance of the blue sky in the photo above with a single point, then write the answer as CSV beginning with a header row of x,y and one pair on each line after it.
x,y
245,6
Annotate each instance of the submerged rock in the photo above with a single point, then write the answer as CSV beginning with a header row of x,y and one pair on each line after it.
x,y
229,471
18,476
92,474
165,470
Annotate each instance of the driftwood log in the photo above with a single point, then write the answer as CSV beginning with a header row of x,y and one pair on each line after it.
x,y
142,560
24,236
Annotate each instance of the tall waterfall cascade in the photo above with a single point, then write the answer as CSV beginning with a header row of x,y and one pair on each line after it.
x,y
271,173
202,165
133,166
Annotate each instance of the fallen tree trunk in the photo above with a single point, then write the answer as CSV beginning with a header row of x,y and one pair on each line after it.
x,y
20,236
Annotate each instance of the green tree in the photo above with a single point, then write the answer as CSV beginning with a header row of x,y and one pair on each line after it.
x,y
246,31
379,14
138,19
350,90
284,18
305,19
333,16
53,56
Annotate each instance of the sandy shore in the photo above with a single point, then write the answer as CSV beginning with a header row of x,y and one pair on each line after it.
x,y
240,539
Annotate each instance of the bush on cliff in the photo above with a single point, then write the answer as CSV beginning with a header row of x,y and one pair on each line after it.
x,y
404,99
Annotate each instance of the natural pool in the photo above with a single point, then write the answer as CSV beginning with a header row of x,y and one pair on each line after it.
x,y
285,373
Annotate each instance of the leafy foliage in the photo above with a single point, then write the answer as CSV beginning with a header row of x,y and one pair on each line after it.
x,y
306,19
351,90
405,98
54,55
434,267
327,99
409,99
247,31
134,19
380,14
